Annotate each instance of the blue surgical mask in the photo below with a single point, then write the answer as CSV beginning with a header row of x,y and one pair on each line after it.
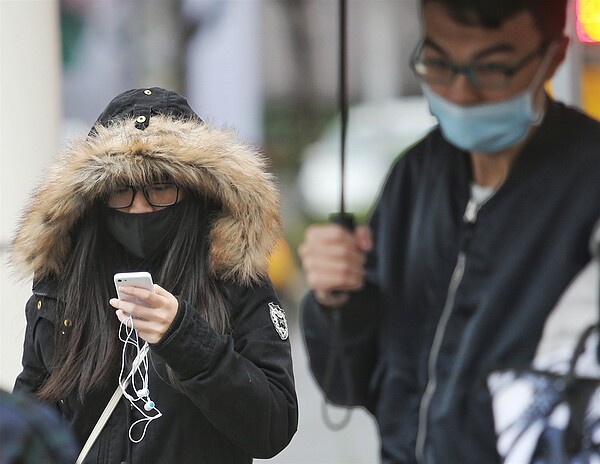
x,y
489,127
486,128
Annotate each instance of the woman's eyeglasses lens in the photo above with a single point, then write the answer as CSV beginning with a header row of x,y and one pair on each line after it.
x,y
156,194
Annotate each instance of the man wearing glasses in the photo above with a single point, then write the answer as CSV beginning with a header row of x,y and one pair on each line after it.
x,y
478,231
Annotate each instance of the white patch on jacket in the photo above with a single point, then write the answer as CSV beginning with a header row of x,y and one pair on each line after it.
x,y
279,321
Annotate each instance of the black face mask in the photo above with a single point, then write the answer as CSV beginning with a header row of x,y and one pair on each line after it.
x,y
146,234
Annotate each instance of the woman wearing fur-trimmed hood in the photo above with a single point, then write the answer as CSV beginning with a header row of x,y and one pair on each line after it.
x,y
152,188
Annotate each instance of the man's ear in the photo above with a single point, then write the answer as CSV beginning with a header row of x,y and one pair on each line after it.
x,y
562,44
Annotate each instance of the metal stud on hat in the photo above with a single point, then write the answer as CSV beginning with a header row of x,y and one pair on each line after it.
x,y
142,104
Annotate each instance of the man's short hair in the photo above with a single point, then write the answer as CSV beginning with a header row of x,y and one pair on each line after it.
x,y
549,15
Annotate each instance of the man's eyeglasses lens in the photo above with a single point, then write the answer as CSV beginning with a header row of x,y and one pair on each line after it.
x,y
163,194
440,71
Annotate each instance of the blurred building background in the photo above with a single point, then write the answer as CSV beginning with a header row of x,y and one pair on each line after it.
x,y
266,68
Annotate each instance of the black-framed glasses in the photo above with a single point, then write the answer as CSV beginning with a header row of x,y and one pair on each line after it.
x,y
160,194
493,76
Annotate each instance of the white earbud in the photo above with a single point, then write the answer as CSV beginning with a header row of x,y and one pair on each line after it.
x,y
142,393
149,406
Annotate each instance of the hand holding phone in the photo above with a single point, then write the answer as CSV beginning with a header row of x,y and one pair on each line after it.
x,y
153,317
133,279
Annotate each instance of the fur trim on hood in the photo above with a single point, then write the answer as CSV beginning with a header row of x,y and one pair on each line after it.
x,y
198,158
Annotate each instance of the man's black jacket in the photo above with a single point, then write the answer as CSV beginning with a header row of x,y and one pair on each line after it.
x,y
449,299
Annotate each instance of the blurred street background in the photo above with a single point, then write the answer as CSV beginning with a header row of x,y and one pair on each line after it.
x,y
266,69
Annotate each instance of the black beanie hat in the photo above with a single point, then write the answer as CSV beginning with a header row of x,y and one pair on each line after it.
x,y
142,104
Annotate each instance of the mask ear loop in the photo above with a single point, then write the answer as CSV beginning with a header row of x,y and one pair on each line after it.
x,y
538,100
139,368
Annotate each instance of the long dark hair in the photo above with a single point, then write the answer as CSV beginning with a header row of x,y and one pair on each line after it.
x,y
87,353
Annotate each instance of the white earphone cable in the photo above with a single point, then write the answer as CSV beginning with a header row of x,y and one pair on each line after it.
x,y
136,375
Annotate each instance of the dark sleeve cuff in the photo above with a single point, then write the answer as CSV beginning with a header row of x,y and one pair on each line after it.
x,y
189,345
358,316
181,308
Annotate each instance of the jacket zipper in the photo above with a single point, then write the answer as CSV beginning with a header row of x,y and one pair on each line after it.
x,y
469,217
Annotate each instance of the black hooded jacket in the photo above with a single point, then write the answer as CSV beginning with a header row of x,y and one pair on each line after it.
x,y
237,399
453,294
234,396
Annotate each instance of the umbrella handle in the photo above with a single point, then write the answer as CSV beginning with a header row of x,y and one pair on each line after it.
x,y
346,220
337,355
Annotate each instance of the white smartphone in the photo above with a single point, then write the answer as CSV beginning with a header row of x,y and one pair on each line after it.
x,y
134,279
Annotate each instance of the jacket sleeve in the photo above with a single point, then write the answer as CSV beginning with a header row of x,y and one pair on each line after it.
x,y
243,382
342,354
38,340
